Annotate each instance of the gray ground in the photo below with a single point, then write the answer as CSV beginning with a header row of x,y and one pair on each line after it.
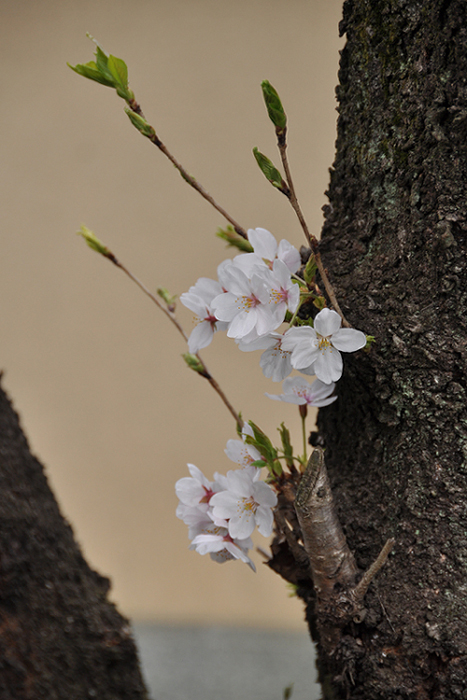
x,y
209,663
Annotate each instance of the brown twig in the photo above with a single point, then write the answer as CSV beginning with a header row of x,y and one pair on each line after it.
x,y
312,240
171,316
150,133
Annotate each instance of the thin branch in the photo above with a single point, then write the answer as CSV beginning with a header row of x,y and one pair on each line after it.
x,y
362,586
171,316
150,133
312,240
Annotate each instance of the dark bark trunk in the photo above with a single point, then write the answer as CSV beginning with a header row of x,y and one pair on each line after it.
x,y
60,638
394,242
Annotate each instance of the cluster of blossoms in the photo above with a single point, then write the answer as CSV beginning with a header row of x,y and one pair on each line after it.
x,y
251,299
222,514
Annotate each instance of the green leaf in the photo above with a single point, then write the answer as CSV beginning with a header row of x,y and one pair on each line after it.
x,y
274,105
234,240
102,61
90,71
286,445
260,463
119,72
107,70
270,171
262,443
310,269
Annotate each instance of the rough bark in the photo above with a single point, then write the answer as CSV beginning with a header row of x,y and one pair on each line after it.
x,y
60,638
394,243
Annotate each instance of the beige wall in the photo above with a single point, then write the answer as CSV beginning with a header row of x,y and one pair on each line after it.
x,y
93,368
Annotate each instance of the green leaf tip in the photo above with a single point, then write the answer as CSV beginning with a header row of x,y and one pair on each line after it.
x,y
234,240
94,242
311,269
169,298
270,172
107,70
274,105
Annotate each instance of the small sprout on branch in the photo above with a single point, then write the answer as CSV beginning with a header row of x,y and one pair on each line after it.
x,y
234,240
169,298
287,446
107,70
141,124
310,270
274,107
194,363
95,244
270,172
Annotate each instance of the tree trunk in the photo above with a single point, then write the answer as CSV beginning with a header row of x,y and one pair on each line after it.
x,y
394,243
60,638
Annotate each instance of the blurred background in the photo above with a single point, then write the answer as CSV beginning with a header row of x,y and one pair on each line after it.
x,y
93,368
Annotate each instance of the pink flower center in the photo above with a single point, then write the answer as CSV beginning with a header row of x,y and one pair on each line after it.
x,y
207,495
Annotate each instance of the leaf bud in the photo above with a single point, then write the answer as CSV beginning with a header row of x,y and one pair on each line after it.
x,y
274,105
94,243
194,363
168,298
234,240
140,123
270,171
310,269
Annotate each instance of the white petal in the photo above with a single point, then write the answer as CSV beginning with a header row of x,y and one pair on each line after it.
x,y
194,302
200,337
305,354
242,524
327,322
276,364
207,289
321,390
289,255
328,366
225,306
297,335
242,324
264,521
263,242
348,339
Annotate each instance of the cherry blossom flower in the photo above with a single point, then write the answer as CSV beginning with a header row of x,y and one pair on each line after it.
x,y
240,452
196,490
275,361
246,503
319,346
196,519
299,391
284,295
198,299
221,546
266,251
244,304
